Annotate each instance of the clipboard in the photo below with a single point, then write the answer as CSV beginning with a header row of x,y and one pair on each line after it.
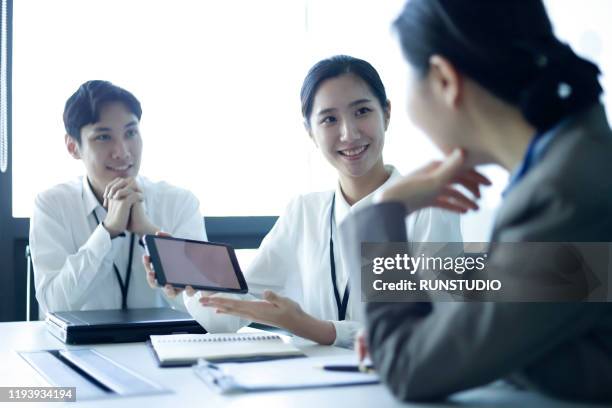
x,y
303,373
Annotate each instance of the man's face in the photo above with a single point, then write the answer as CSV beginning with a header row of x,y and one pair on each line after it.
x,y
110,148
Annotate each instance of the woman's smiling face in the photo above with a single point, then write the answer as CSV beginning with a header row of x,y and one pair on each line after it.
x,y
348,125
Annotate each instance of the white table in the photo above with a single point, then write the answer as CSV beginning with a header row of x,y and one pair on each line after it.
x,y
189,391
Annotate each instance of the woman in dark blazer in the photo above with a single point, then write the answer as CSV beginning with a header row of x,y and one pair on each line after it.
x,y
492,84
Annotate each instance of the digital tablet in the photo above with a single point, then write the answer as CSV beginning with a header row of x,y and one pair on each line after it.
x,y
199,264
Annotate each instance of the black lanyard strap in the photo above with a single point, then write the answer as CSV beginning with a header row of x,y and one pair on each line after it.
x,y
123,286
342,305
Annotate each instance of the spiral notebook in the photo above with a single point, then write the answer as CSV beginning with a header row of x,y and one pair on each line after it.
x,y
177,350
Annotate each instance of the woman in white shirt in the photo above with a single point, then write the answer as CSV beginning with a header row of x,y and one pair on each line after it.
x,y
346,113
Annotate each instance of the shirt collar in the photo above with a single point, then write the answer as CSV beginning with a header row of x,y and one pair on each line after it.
x,y
343,208
89,198
535,151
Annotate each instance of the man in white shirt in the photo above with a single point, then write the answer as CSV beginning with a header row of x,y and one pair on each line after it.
x,y
85,234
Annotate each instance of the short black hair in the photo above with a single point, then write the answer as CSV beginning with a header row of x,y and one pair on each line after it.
x,y
84,106
508,47
334,67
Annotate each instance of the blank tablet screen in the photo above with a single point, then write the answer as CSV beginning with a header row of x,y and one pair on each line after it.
x,y
197,264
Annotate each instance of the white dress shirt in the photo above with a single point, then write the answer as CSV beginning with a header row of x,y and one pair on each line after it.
x,y
73,256
294,260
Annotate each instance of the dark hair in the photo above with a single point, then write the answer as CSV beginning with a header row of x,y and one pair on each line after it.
x,y
84,106
333,67
506,46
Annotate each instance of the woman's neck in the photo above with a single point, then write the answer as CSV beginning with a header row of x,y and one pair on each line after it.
x,y
512,137
504,132
356,188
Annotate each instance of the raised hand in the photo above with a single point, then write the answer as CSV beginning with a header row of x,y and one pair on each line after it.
x,y
434,186
119,197
139,222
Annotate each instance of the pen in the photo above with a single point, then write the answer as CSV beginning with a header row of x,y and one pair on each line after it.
x,y
350,368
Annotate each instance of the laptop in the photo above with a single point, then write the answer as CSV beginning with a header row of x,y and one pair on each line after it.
x,y
119,326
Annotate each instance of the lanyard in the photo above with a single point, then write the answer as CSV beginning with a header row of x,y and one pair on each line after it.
x,y
124,286
342,305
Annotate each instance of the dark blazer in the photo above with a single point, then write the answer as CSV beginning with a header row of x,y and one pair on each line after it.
x,y
430,350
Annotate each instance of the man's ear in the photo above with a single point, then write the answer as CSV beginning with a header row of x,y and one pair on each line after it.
x,y
387,114
445,81
73,146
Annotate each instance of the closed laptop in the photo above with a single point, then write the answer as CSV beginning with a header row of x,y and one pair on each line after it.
x,y
119,326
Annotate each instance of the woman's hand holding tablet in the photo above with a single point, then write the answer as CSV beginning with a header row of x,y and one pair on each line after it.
x,y
170,291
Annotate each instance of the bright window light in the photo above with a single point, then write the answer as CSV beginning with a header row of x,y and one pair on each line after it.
x,y
219,84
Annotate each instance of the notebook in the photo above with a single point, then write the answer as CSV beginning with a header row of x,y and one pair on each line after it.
x,y
300,373
185,349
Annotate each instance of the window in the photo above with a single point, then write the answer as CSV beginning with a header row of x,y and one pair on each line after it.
x,y
219,83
